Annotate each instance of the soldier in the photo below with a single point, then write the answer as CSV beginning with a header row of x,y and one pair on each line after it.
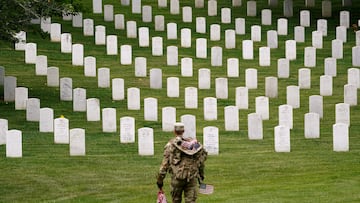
x,y
184,160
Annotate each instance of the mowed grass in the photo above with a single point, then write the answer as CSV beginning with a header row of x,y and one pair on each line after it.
x,y
244,171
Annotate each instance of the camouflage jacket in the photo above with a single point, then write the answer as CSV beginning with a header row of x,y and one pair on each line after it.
x,y
182,162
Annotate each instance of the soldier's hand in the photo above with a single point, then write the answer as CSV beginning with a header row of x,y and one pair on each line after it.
x,y
202,177
159,184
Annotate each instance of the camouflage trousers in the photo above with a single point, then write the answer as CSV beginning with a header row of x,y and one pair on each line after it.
x,y
180,186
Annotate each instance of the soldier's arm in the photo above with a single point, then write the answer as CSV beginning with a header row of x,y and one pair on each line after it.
x,y
202,164
165,164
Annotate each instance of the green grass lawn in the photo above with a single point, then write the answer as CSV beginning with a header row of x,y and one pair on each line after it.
x,y
244,171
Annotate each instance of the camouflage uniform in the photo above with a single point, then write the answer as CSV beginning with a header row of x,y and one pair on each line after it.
x,y
185,166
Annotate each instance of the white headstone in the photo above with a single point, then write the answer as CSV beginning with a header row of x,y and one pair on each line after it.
x,y
212,8
133,98
251,78
240,26
255,127
201,48
136,6
21,44
286,115
66,43
288,8
256,33
14,144
109,120
264,56
317,39
231,114
262,107
171,30
140,66
226,15
210,108
337,49
125,2
172,55
77,142
200,25
326,9
282,26
216,56
353,77
330,66
33,109
79,99
97,6
119,21
46,123
215,32
283,68
199,3
322,26
159,23
242,97
3,130
187,14
111,45
30,53
326,85
104,77
162,3
100,35
290,49
125,55
150,109
155,78
304,81
78,55
233,67
45,24
204,78
90,66
251,8
168,118
342,113
230,39
211,140
271,87
191,98
310,57
77,20
357,36
173,85
174,7
356,56
305,18
93,109
61,131
341,33
55,32
312,125
41,65
266,17
189,122
248,49
221,88
118,89
340,137
299,34
21,96
88,29
131,29
144,39
272,39
350,94
309,3
145,141
157,46
147,14
66,89
9,88
127,129
316,105
293,96
53,77
186,37
186,67
282,139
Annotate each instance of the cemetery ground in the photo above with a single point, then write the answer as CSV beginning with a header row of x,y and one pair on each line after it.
x,y
244,171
